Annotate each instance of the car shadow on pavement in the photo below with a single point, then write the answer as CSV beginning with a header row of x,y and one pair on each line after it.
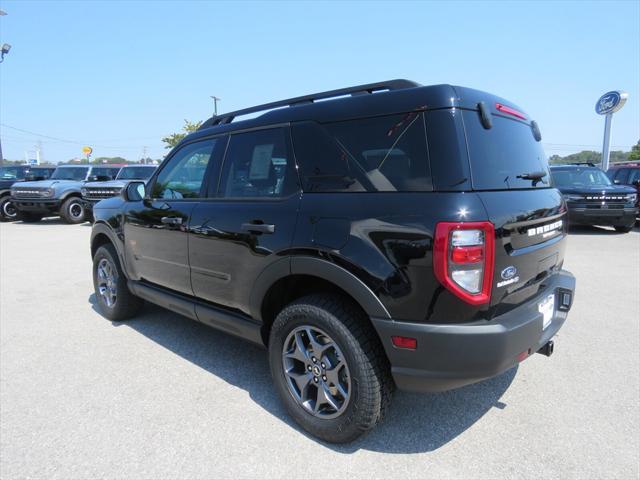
x,y
416,422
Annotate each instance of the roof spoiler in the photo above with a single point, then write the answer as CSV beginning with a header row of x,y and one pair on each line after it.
x,y
389,85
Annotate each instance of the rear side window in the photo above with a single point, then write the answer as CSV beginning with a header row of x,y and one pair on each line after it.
x,y
257,165
502,154
381,154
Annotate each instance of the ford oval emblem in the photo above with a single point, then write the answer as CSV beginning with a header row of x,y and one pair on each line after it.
x,y
611,102
508,272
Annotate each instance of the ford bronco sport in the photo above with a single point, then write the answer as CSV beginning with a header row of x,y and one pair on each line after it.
x,y
396,236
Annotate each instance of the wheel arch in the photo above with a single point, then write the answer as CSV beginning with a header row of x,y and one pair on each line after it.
x,y
291,278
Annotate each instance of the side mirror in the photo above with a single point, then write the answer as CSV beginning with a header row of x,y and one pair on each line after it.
x,y
636,183
134,192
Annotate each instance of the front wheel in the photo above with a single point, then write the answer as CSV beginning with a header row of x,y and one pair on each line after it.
x,y
329,368
623,229
8,211
114,299
73,211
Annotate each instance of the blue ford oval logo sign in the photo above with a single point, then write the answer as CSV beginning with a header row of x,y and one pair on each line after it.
x,y
509,272
611,102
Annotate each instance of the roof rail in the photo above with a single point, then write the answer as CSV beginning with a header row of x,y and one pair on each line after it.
x,y
397,84
591,164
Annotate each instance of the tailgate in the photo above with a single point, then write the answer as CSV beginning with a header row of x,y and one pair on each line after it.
x,y
531,231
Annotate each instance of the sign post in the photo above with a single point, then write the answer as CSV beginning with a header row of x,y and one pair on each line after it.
x,y
87,151
607,105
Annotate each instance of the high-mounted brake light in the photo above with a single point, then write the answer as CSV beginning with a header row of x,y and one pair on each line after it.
x,y
510,111
463,255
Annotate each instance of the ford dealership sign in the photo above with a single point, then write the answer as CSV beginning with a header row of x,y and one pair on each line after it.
x,y
611,102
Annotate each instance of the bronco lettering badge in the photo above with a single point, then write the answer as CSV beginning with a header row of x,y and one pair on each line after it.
x,y
546,230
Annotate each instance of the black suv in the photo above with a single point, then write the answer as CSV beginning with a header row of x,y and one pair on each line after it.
x,y
592,199
398,236
17,173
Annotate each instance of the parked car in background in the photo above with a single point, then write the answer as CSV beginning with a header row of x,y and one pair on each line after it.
x,y
93,192
405,238
593,199
17,173
60,194
626,173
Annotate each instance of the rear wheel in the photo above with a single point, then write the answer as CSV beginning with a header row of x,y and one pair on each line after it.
x,y
114,299
73,211
623,229
8,211
329,368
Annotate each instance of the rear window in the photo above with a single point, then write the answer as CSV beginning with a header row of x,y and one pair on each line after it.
x,y
502,154
380,154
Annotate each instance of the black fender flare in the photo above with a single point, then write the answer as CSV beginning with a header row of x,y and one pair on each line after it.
x,y
101,228
320,268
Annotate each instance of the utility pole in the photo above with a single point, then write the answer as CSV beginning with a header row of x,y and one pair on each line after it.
x,y
215,105
144,155
5,50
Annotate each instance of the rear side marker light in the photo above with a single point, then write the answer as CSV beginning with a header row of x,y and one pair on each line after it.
x,y
404,342
510,111
463,259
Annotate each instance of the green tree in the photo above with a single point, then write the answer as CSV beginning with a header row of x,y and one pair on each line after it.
x,y
635,152
172,140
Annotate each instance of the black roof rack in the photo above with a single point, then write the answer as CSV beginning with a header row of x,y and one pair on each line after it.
x,y
591,164
397,84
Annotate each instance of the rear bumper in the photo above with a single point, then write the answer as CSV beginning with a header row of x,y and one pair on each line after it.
x,y
598,216
451,356
36,205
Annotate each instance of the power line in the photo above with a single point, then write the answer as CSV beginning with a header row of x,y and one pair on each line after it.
x,y
75,142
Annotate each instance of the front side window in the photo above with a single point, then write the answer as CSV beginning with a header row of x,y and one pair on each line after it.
x,y
182,176
381,154
257,164
70,173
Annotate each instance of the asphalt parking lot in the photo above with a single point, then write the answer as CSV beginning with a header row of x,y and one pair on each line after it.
x,y
164,397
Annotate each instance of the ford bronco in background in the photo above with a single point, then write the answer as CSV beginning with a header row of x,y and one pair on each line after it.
x,y
17,173
593,199
396,236
627,173
60,194
93,192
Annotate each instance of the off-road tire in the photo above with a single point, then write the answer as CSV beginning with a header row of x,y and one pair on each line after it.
x,y
371,383
69,208
126,305
5,207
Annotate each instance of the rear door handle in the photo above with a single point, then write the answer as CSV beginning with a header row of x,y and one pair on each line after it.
x,y
172,220
258,228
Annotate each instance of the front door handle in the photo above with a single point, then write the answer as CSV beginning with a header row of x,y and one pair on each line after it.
x,y
172,220
258,228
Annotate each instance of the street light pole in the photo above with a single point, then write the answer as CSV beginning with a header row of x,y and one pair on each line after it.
x,y
215,105
5,49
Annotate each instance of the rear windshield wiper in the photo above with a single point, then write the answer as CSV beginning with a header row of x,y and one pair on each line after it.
x,y
533,176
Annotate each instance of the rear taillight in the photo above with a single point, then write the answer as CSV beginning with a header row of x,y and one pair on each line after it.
x,y
463,256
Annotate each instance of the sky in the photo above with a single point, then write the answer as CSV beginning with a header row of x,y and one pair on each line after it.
x,y
119,75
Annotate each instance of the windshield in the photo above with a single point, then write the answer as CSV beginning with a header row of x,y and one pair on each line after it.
x,y
579,177
70,173
9,173
130,173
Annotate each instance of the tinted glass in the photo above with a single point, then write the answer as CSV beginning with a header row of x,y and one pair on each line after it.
x,y
182,176
579,177
620,174
634,176
105,171
137,173
10,173
500,155
70,173
257,164
381,154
